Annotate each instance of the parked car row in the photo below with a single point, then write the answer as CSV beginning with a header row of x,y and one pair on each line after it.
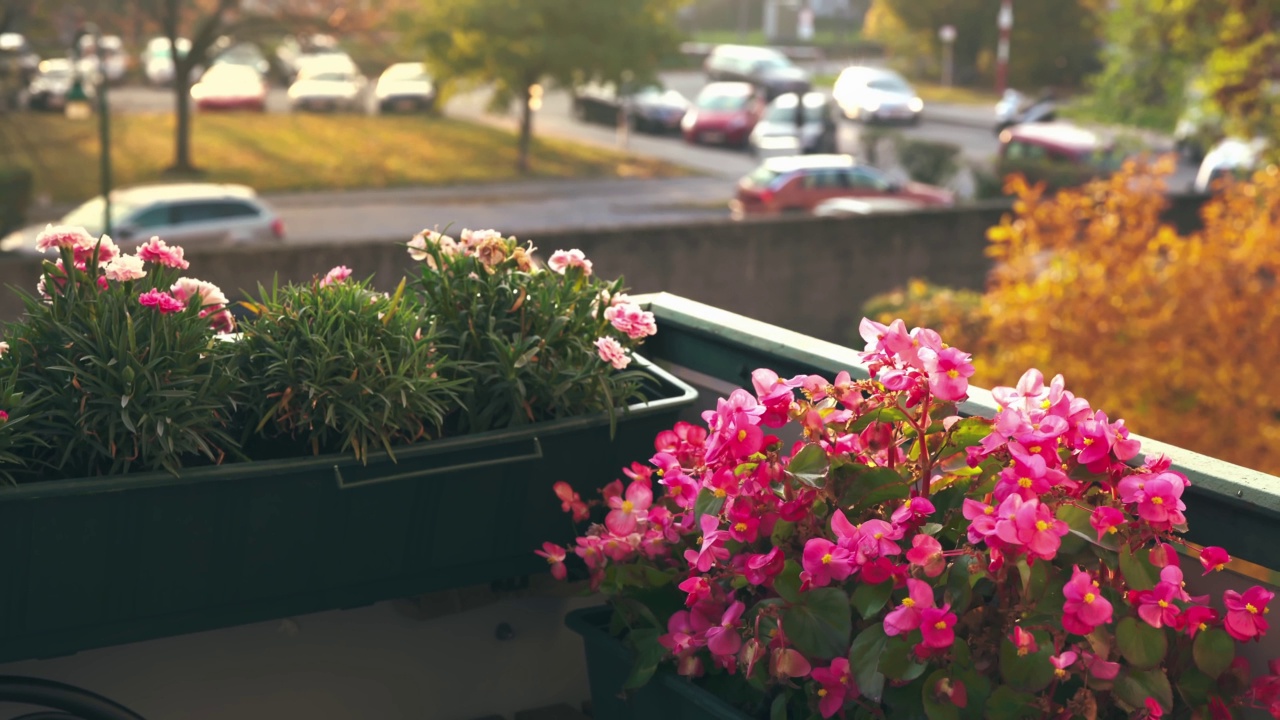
x,y
803,183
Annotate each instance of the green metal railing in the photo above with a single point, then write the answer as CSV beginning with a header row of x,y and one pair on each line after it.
x,y
1228,505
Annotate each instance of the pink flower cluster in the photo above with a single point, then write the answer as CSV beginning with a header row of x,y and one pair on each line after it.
x,y
887,487
336,275
631,319
562,260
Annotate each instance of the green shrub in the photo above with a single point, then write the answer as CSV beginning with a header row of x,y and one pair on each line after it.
x,y
929,162
15,196
335,366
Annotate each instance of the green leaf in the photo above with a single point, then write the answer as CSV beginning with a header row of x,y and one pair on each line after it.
x,y
1005,703
782,531
649,652
1031,672
969,432
1213,651
819,625
1135,686
778,710
864,660
868,599
1138,571
884,415
898,663
934,708
1195,687
1142,645
787,584
707,503
959,589
810,465
871,486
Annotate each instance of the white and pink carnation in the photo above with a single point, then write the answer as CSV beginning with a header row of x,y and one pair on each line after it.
x,y
420,243
157,251
60,236
631,319
187,288
562,260
470,239
338,274
124,268
612,352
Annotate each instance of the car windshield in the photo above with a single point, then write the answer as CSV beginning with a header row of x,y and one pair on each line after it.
x,y
771,64
723,102
89,215
889,84
331,77
762,176
787,113
405,72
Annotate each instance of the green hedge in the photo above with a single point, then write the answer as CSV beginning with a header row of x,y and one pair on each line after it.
x,y
15,197
924,160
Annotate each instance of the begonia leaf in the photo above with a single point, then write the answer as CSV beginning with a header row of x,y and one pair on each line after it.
x,y
1142,645
898,661
1138,571
1031,672
649,652
884,415
864,660
871,486
1213,651
787,583
1135,686
869,599
935,708
810,465
1005,703
819,625
707,502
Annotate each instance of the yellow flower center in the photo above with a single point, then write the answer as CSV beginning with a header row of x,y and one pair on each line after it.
x,y
1113,530
988,510
1045,404
822,692
907,505
908,602
742,435
844,679
740,527
1251,609
699,541
1162,603
1219,566
826,559
1088,442
1042,525
953,373
1090,597
1060,672
1142,486
1203,626
675,489
878,535
940,625
1157,501
1034,449
628,506
551,561
719,492
1024,482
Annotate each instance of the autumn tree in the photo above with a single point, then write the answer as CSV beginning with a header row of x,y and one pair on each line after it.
x,y
515,45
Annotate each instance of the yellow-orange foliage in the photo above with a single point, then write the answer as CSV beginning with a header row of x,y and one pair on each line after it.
x,y
1178,334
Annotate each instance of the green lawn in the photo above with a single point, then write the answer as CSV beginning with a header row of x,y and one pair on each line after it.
x,y
274,153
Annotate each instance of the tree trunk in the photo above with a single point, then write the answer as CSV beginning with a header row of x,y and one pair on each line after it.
x,y
526,129
182,109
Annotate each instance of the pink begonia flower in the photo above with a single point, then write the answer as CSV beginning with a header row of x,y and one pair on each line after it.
x,y
949,372
906,617
789,663
937,626
926,552
1154,710
723,639
1106,520
1031,525
982,520
612,352
762,569
162,301
1196,618
1171,575
1024,641
1159,497
892,339
775,394
1245,612
744,526
680,487
570,501
1085,607
712,548
555,558
562,260
1100,668
1028,477
681,637
825,561
185,289
124,268
1063,661
60,236
1095,438
697,588
626,511
745,438
632,320
912,508
336,275
835,686
1163,555
1214,558
1156,606
157,251
877,538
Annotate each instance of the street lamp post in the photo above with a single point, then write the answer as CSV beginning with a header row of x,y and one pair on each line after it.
x,y
104,123
1005,22
947,34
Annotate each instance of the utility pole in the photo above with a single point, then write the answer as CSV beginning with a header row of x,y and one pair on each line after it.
x,y
1005,23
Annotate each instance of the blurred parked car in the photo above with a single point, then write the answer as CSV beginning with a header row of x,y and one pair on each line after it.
x,y
1058,154
724,113
327,83
765,68
15,46
405,87
103,55
649,108
873,94
802,183
158,59
816,132
1015,108
292,49
53,80
1233,156
230,87
185,214
245,54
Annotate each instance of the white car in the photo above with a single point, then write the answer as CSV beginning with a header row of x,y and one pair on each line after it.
x,y
1232,156
776,131
107,57
330,82
158,59
183,213
405,87
870,94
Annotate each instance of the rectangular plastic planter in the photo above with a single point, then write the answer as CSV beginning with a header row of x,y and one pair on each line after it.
x,y
667,695
97,562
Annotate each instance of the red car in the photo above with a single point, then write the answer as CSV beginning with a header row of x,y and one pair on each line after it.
x,y
230,87
724,113
801,183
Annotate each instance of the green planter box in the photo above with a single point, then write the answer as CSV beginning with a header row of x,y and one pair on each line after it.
x,y
98,562
667,695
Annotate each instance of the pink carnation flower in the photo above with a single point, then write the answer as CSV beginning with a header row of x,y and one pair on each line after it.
x,y
156,251
562,260
611,351
60,236
162,301
629,318
188,288
338,274
124,268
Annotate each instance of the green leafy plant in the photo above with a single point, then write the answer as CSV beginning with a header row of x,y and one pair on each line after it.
x,y
118,363
336,366
538,343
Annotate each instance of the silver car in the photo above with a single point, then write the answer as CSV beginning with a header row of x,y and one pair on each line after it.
x,y
189,214
817,131
327,82
872,94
